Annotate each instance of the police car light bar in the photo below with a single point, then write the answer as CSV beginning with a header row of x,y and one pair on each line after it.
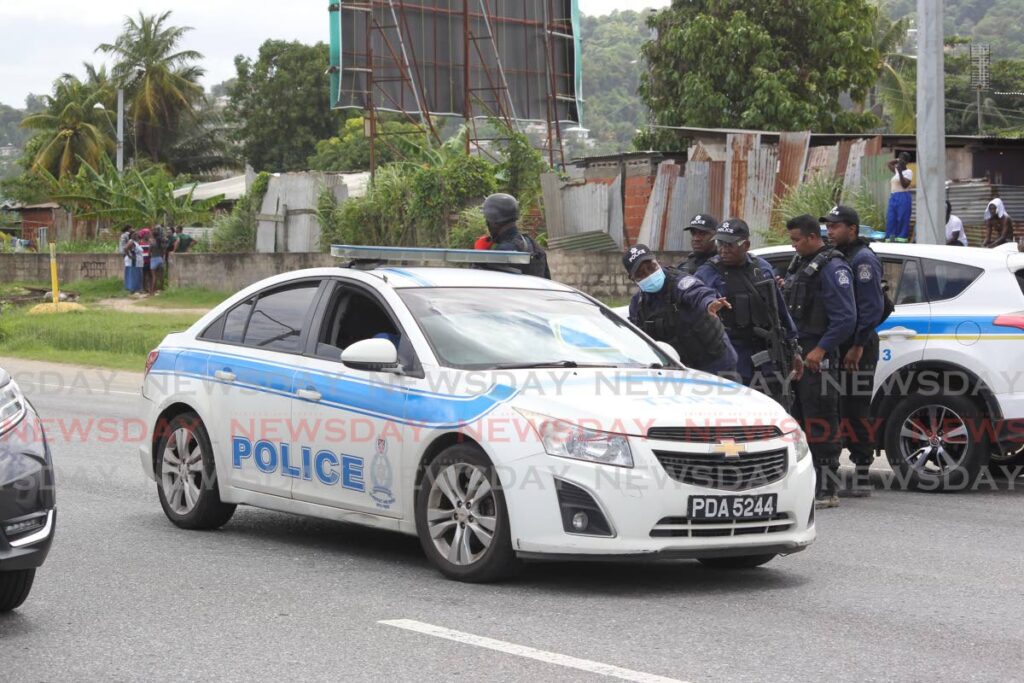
x,y
362,254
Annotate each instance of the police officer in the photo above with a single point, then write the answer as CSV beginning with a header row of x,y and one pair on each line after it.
x,y
819,293
859,355
702,242
757,320
676,308
501,211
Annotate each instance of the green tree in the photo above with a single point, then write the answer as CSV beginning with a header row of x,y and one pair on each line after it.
x,y
350,151
161,81
611,76
280,104
747,64
895,87
72,129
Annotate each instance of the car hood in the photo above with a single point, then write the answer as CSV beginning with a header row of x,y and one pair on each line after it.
x,y
631,402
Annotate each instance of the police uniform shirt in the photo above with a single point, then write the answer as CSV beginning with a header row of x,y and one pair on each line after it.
x,y
835,288
715,279
688,292
867,289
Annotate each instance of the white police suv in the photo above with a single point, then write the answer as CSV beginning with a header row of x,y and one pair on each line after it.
x,y
949,386
497,416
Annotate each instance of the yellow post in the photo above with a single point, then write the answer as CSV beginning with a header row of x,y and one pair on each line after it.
x,y
53,274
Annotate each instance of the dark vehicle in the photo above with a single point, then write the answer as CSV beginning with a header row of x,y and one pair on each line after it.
x,y
27,495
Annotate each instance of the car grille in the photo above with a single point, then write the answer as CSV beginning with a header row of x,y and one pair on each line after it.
x,y
715,471
682,527
715,434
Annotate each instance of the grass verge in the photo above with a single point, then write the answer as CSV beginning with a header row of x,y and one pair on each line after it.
x,y
184,297
110,339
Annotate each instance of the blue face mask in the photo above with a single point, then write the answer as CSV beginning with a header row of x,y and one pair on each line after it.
x,y
653,282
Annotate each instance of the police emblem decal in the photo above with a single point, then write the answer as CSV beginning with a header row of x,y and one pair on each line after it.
x,y
382,476
843,278
864,272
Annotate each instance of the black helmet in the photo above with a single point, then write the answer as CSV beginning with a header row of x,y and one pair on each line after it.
x,y
500,209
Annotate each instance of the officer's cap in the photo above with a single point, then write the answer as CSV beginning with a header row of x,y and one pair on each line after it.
x,y
636,256
703,222
841,214
733,230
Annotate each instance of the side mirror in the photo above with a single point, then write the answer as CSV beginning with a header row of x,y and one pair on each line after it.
x,y
371,355
669,350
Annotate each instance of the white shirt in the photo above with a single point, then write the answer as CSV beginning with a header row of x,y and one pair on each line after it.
x,y
896,186
952,226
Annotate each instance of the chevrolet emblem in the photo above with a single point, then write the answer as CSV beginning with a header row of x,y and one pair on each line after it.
x,y
729,448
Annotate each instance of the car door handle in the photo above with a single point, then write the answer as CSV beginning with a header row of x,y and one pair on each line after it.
x,y
899,332
309,394
225,375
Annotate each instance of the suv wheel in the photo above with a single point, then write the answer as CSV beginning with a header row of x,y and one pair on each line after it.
x,y
935,443
15,587
461,517
187,476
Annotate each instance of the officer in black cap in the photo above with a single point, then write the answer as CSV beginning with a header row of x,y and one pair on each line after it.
x,y
858,355
819,293
501,211
676,308
702,242
757,320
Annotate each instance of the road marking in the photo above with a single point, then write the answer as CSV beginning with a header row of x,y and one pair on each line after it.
x,y
528,652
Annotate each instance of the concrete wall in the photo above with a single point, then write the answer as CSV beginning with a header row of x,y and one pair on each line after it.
x,y
598,273
231,272
36,267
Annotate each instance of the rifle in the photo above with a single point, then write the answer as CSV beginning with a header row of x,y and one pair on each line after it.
x,y
780,350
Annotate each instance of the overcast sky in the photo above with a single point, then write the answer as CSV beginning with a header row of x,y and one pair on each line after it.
x,y
42,39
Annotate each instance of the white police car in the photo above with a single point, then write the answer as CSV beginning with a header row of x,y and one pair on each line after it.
x,y
497,416
949,386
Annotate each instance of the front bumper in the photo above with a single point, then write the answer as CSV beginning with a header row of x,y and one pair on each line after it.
x,y
27,493
646,510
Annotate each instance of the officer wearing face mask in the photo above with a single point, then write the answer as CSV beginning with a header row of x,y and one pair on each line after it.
x,y
678,309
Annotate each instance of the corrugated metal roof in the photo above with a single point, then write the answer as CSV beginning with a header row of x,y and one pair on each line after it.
x,y
594,240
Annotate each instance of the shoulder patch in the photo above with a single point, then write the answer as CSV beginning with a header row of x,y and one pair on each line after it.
x,y
843,277
686,282
864,273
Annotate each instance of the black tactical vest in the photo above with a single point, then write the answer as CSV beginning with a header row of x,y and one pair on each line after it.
x,y
801,292
749,309
694,261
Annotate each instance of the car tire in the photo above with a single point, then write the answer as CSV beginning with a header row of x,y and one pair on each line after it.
x,y
737,562
1006,464
450,514
15,587
187,484
934,443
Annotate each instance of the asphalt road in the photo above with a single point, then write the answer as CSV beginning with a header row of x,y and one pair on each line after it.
x,y
900,586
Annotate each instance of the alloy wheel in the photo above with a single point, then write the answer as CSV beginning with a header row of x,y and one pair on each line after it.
x,y
461,513
934,440
181,473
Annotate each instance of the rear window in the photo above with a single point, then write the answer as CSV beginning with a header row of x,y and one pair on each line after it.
x,y
276,321
946,280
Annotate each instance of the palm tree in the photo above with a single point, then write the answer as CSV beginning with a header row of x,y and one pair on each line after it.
x,y
895,85
73,129
990,113
160,81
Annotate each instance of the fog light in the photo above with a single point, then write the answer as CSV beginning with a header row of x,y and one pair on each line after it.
x,y
580,521
24,526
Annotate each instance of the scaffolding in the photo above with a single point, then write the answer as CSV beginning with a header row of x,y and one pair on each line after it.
x,y
481,60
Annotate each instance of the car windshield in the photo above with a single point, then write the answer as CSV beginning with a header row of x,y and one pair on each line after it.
x,y
482,328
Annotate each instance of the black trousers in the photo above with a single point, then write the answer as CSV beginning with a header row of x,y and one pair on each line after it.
x,y
857,427
816,407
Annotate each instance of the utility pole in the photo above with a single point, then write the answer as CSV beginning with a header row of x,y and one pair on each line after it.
x,y
981,61
931,125
120,130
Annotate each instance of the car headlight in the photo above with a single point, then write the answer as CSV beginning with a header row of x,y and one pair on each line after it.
x,y
566,440
803,449
12,405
